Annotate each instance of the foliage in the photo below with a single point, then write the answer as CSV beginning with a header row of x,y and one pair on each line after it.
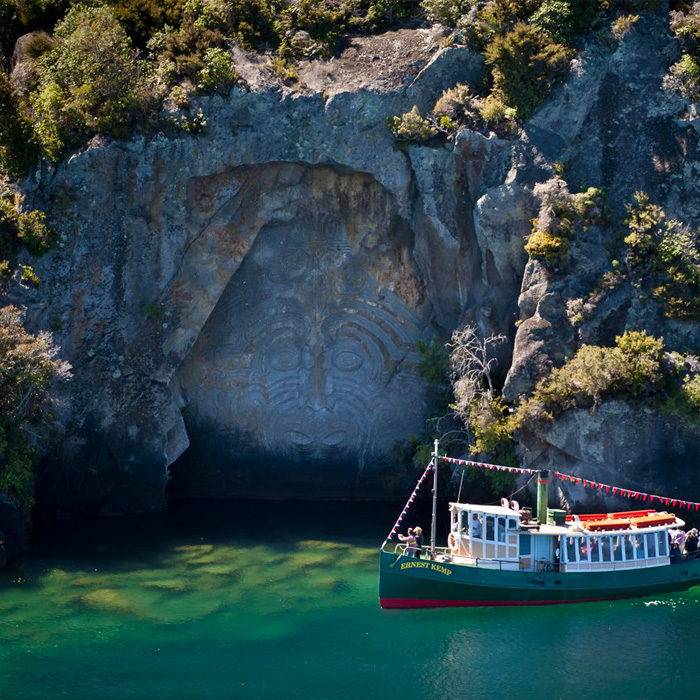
x,y
526,65
218,74
623,25
489,424
411,126
18,147
434,359
447,12
631,368
29,228
195,124
556,18
27,366
18,17
683,77
92,82
644,221
142,19
34,233
153,311
28,276
664,257
5,271
547,246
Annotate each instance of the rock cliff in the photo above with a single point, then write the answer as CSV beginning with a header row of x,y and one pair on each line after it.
x,y
243,306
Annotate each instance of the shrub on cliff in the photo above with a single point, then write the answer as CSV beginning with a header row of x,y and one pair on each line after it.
x,y
28,364
629,369
526,65
411,126
547,246
18,146
92,82
683,77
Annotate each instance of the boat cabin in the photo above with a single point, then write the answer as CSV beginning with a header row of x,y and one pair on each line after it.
x,y
504,537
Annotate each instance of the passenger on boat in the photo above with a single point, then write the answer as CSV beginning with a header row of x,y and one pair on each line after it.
x,y
476,525
691,544
418,532
414,541
676,542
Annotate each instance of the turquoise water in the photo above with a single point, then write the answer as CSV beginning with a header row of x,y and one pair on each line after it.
x,y
221,601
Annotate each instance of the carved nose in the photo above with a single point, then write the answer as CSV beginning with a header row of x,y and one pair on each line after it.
x,y
320,385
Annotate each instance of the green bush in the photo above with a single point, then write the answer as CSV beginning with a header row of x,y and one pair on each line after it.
x,y
18,147
623,25
446,12
644,221
556,18
411,127
630,369
28,276
218,74
91,82
683,77
526,65
547,246
34,233
27,366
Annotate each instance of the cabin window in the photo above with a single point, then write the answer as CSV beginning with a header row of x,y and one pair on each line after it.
x,y
490,535
571,548
501,528
595,549
662,541
583,549
639,546
477,522
525,545
627,543
605,549
651,544
617,548
463,521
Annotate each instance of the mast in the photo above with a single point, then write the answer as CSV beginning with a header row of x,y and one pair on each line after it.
x,y
542,495
435,485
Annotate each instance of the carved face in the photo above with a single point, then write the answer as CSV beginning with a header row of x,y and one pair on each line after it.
x,y
306,357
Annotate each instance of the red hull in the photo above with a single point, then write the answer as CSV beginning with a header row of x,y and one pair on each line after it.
x,y
403,603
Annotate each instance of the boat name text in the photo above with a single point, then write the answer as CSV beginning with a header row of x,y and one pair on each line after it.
x,y
426,565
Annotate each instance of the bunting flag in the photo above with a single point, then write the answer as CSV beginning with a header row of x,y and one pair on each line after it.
x,y
483,465
395,529
587,483
626,493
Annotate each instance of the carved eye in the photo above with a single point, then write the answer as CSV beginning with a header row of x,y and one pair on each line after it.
x,y
284,360
347,360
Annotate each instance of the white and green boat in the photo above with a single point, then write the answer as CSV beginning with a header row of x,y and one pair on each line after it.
x,y
502,555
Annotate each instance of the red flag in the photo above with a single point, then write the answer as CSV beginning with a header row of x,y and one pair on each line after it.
x,y
674,504
614,490
607,488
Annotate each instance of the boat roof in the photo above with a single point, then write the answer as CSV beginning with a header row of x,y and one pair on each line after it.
x,y
489,510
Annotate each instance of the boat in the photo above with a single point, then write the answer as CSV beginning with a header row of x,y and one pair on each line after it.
x,y
501,555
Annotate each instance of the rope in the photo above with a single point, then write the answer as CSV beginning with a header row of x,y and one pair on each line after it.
x,y
412,498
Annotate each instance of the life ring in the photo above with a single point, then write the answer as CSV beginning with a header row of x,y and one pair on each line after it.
x,y
452,543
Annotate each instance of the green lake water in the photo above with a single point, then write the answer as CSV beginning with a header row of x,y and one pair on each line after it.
x,y
231,600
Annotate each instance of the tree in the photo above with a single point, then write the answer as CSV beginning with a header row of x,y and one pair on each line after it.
x,y
28,365
527,65
92,82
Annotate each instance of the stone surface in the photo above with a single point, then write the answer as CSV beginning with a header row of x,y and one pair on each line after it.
x,y
243,306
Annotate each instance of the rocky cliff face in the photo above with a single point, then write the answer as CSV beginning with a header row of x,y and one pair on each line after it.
x,y
244,305
256,293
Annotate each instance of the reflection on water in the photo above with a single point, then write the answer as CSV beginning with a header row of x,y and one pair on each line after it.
x,y
280,601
